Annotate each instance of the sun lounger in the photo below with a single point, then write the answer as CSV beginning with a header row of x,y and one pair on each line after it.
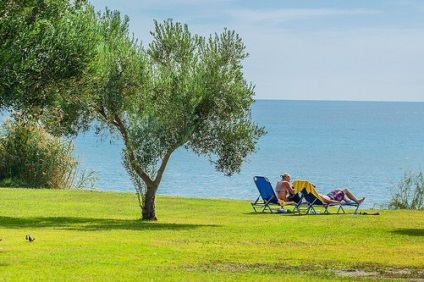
x,y
311,198
267,199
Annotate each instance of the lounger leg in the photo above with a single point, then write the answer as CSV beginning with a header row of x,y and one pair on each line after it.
x,y
356,210
310,210
326,209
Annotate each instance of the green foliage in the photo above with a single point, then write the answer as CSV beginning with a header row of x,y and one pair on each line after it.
x,y
64,65
183,90
31,157
409,194
201,98
120,70
46,48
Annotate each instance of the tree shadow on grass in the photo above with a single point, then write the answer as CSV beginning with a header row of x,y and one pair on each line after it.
x,y
92,224
291,213
409,231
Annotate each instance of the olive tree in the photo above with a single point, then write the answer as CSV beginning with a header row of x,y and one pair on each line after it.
x,y
182,90
63,63
46,48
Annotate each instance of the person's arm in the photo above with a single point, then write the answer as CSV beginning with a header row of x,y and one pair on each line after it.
x,y
288,188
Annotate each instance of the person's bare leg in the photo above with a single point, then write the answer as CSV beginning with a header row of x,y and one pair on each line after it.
x,y
352,197
327,200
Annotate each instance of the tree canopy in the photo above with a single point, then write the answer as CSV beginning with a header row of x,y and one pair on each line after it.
x,y
182,90
45,50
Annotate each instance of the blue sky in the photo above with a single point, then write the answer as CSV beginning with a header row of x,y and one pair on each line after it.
x,y
366,50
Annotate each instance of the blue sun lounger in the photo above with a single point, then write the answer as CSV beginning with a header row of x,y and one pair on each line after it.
x,y
267,199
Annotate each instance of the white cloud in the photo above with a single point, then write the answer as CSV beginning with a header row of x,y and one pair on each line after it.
x,y
282,15
362,53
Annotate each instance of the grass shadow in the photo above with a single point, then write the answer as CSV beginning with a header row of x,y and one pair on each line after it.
x,y
297,214
92,224
409,232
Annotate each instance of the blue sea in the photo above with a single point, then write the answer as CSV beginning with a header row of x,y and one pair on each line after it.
x,y
365,146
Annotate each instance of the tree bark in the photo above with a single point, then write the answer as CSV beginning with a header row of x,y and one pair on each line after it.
x,y
149,209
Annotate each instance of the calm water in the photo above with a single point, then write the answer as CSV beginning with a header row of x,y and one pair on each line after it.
x,y
366,146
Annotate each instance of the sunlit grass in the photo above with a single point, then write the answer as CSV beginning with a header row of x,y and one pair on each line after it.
x,y
98,236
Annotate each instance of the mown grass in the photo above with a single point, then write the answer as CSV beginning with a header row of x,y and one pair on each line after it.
x,y
98,236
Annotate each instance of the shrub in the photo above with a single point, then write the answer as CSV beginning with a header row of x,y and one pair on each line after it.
x,y
409,193
31,157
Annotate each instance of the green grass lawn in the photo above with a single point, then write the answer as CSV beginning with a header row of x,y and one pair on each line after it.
x,y
98,236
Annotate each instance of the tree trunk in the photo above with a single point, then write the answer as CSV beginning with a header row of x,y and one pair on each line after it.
x,y
148,212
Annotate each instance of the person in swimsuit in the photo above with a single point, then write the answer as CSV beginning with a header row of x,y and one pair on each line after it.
x,y
338,195
284,190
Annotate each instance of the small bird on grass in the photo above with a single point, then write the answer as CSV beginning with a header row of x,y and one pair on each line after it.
x,y
29,238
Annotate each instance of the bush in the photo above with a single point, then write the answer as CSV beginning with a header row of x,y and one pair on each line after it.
x,y
31,157
409,193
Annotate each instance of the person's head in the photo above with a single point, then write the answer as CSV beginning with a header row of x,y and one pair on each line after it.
x,y
285,176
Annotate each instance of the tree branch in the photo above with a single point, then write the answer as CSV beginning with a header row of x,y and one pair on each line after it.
x,y
140,172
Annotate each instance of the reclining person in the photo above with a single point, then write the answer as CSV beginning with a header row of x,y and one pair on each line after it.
x,y
338,195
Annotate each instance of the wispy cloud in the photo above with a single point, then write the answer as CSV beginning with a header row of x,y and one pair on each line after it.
x,y
164,5
284,15
355,50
